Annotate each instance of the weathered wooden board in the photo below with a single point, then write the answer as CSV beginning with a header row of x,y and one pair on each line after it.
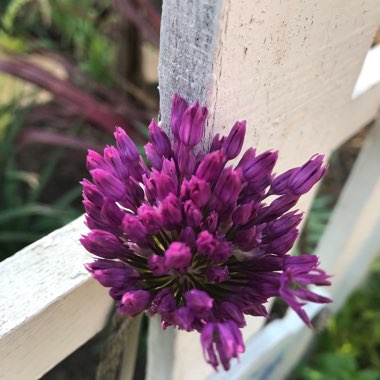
x,y
287,67
370,72
49,305
356,216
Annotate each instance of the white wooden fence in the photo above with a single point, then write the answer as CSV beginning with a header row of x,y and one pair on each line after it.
x,y
291,68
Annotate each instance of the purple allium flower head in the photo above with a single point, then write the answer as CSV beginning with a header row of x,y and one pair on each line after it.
x,y
196,239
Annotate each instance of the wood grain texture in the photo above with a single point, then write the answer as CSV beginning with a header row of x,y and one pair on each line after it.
x,y
49,304
189,32
289,68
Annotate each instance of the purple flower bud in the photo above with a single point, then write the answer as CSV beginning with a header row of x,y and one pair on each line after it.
x,y
134,229
211,166
150,189
94,217
95,160
198,301
165,301
159,139
150,217
248,156
228,343
112,213
233,313
153,157
211,222
283,243
259,167
126,146
104,244
207,341
184,318
157,265
217,274
243,213
284,224
164,184
179,106
186,161
217,143
228,187
108,185
111,273
250,238
171,211
169,168
198,190
135,191
117,292
188,236
234,141
230,333
217,250
304,263
112,157
278,207
134,302
178,256
206,243
91,193
257,186
302,180
280,184
256,310
192,125
193,214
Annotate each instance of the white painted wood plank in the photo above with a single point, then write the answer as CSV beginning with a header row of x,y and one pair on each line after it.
x,y
128,361
370,73
356,211
356,266
49,305
287,67
160,351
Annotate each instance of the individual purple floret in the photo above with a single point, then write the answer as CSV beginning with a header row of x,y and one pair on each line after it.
x,y
194,239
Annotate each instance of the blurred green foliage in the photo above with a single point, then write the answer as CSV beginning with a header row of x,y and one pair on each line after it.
x,y
349,348
23,217
81,29
82,37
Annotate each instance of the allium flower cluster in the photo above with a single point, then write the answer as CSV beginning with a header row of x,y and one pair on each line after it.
x,y
197,241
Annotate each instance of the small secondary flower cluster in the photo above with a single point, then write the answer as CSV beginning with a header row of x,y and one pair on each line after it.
x,y
194,240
